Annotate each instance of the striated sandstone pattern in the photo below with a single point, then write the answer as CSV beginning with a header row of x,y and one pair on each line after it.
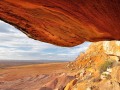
x,y
64,22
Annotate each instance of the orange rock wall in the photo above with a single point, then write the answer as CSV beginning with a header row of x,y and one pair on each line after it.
x,y
90,67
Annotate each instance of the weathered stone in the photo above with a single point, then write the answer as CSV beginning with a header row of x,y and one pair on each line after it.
x,y
64,22
100,63
112,48
116,74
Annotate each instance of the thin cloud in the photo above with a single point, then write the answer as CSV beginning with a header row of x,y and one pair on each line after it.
x,y
17,46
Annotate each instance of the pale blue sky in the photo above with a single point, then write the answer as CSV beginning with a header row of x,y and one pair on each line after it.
x,y
14,45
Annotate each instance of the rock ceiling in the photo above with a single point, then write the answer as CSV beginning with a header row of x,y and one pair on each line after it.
x,y
64,22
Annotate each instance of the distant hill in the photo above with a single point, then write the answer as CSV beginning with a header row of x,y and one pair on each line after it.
x,y
9,63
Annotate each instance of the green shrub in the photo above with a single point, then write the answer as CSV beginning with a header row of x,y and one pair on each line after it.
x,y
105,65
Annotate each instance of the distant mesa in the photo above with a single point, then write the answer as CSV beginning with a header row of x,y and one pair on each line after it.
x,y
64,22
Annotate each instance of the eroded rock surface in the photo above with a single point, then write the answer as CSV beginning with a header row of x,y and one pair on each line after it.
x,y
64,22
98,68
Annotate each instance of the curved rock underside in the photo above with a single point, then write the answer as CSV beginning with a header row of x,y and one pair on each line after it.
x,y
64,22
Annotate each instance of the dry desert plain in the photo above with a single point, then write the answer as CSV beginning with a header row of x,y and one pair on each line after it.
x,y
50,76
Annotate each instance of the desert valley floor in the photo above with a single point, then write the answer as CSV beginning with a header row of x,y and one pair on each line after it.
x,y
35,77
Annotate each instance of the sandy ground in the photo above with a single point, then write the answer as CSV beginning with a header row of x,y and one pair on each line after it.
x,y
35,77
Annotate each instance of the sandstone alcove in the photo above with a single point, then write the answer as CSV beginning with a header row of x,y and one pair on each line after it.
x,y
69,23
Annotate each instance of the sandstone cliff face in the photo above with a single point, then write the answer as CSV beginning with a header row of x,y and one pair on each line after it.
x,y
98,68
64,22
112,48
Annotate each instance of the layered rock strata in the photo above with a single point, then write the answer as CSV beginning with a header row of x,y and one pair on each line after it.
x,y
64,22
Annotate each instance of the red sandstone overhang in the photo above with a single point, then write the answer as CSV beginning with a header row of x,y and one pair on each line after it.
x,y
64,22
